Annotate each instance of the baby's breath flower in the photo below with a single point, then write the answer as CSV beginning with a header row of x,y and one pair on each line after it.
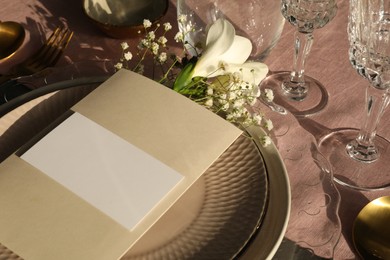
x,y
179,37
162,57
265,140
238,103
225,106
144,44
268,125
252,101
147,23
182,18
210,91
247,122
230,117
167,26
118,66
238,112
257,118
155,47
232,95
189,28
151,35
223,102
209,102
162,40
124,45
128,56
268,94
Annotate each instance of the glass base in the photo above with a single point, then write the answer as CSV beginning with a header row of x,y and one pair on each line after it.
x,y
362,153
348,170
299,102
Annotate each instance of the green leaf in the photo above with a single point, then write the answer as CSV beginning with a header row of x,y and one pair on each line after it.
x,y
184,78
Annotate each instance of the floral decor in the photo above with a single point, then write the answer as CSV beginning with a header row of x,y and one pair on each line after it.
x,y
219,77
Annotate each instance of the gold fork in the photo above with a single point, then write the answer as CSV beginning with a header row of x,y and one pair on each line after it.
x,y
46,56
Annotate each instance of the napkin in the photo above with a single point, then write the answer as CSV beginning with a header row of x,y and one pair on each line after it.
x,y
48,213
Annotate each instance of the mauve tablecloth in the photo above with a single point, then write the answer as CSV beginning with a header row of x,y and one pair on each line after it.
x,y
328,62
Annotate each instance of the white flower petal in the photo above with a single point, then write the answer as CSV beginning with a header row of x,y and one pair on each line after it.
x,y
220,37
238,52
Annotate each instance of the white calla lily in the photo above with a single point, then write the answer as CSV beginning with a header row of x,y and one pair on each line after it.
x,y
223,45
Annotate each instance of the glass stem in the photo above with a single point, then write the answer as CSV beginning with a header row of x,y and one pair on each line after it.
x,y
363,147
296,87
302,47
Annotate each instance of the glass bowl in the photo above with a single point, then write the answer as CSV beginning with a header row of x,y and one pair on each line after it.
x,y
258,20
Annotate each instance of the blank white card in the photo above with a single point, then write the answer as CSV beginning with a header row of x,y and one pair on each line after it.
x,y
111,174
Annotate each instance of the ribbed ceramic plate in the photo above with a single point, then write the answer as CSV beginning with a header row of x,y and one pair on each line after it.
x,y
220,213
215,219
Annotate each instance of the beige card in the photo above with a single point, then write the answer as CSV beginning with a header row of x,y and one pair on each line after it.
x,y
42,219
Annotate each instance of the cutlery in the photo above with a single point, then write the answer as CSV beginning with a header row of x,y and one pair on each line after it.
x,y
12,35
46,56
22,88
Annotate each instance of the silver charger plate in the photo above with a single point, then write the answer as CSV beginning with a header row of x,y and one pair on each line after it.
x,y
222,216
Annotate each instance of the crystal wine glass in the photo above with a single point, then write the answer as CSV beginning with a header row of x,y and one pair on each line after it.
x,y
300,94
360,158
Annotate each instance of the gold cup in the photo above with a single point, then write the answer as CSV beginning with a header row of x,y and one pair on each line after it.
x,y
124,18
11,38
371,230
